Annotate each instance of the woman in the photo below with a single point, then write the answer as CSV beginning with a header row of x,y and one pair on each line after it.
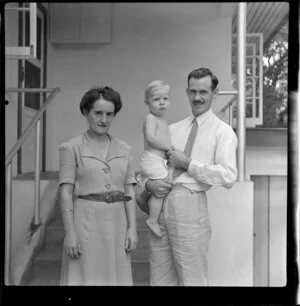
x,y
97,198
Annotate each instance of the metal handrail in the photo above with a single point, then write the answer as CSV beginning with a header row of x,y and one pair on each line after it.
x,y
29,89
35,122
233,93
229,104
228,92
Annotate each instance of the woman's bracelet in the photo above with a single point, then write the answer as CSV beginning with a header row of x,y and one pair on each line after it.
x,y
67,209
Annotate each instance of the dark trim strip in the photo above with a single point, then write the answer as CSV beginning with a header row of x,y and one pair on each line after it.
x,y
19,117
44,95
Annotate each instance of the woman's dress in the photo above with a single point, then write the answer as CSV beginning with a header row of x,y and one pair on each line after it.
x,y
100,227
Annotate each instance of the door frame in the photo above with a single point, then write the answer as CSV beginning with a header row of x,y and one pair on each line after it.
x,y
43,11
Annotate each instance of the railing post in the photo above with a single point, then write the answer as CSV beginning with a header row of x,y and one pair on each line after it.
x,y
33,28
241,78
230,115
8,223
8,179
37,174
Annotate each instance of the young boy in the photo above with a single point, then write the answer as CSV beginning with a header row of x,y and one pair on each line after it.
x,y
156,142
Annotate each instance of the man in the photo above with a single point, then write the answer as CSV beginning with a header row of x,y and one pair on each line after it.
x,y
204,154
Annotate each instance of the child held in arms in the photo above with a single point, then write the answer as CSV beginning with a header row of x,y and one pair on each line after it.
x,y
156,143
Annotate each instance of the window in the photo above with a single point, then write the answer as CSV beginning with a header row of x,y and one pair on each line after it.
x,y
266,80
27,51
254,79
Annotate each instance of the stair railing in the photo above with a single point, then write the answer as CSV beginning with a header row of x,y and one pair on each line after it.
x,y
35,122
229,104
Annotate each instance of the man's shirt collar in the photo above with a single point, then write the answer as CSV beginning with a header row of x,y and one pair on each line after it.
x,y
201,118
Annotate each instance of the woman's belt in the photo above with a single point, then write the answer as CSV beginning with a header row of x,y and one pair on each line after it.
x,y
108,197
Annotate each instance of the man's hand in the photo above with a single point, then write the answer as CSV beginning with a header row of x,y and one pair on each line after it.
x,y
178,159
158,188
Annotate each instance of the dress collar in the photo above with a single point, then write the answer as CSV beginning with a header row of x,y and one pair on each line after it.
x,y
88,150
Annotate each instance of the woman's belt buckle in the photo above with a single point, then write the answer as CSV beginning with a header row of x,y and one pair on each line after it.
x,y
110,197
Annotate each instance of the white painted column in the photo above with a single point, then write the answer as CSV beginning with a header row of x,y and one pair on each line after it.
x,y
241,78
8,224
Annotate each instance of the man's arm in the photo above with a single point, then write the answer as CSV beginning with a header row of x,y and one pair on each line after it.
x,y
159,188
146,187
223,172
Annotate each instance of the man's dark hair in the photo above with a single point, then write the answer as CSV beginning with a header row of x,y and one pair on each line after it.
x,y
95,94
201,73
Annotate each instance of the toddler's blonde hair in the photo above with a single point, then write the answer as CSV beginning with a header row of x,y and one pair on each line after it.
x,y
155,85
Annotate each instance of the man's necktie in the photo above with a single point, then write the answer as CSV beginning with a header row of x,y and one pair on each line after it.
x,y
188,147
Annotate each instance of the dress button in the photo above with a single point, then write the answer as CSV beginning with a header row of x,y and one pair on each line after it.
x,y
107,186
106,170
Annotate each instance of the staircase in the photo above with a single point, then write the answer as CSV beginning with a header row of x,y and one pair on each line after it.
x,y
46,264
140,257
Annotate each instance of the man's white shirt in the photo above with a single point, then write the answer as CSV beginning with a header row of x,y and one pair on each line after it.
x,y
213,155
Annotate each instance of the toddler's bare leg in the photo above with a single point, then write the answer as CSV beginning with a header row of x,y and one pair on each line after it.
x,y
155,206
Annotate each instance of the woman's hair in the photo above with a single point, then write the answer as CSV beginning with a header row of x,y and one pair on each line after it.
x,y
96,93
155,85
201,73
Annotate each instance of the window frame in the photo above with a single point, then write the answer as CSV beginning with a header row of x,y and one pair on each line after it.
x,y
25,52
256,55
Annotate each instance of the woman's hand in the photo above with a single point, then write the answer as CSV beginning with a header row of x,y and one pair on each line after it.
x,y
71,245
131,240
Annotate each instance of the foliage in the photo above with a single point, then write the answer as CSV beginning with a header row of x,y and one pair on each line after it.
x,y
275,78
271,103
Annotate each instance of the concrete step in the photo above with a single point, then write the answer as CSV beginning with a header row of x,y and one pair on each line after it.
x,y
55,232
140,273
57,222
47,267
45,281
143,239
57,210
140,256
47,273
141,224
51,251
55,236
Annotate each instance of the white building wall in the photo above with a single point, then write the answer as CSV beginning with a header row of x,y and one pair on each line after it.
x,y
143,49
230,254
